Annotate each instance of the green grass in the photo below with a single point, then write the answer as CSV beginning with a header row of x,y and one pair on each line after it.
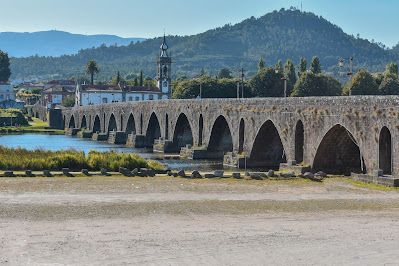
x,y
38,126
39,159
372,186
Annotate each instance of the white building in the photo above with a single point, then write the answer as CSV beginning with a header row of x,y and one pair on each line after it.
x,y
6,92
98,94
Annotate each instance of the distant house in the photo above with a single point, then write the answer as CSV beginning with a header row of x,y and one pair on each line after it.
x,y
29,86
69,84
98,94
54,95
6,92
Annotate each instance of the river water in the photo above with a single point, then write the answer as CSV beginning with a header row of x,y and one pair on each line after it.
x,y
62,142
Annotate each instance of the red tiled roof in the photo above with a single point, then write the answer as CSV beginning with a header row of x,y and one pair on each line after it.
x,y
118,88
62,82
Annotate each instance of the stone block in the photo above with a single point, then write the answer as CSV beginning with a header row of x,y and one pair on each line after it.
x,y
209,176
377,173
291,162
271,173
237,175
28,173
218,173
65,171
47,173
196,174
135,172
255,176
85,171
181,173
8,174
103,171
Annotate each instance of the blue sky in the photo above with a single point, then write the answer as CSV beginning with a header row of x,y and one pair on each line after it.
x,y
376,20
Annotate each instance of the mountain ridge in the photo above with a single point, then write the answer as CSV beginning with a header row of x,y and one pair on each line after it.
x,y
55,43
284,34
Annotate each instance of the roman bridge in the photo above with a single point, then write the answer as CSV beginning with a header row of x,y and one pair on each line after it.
x,y
333,134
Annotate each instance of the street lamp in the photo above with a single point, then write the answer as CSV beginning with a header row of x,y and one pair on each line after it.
x,y
341,64
285,79
242,79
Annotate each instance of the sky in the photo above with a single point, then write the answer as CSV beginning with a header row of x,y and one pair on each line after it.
x,y
376,20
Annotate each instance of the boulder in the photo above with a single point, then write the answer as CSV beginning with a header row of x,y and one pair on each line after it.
x,y
28,173
151,173
8,174
271,173
263,175
65,171
135,171
47,173
289,174
236,175
169,173
256,176
196,174
103,171
143,172
209,176
308,175
247,174
85,171
181,173
320,174
175,175
218,173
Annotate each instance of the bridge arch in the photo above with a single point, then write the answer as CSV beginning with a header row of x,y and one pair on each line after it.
x,y
267,149
97,124
183,134
131,125
299,141
83,123
241,136
221,139
71,123
339,153
200,129
112,123
385,151
153,131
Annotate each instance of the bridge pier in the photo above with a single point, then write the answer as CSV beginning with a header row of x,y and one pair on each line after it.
x,y
99,136
117,137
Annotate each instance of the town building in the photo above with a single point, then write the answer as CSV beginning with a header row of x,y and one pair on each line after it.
x,y
54,95
29,86
6,92
69,84
98,94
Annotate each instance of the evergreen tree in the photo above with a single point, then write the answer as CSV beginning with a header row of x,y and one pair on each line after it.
x,y
390,85
202,72
315,65
392,69
279,67
135,82
302,66
224,73
5,71
310,84
291,75
261,64
141,77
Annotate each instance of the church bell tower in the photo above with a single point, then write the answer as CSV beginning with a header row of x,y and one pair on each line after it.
x,y
164,71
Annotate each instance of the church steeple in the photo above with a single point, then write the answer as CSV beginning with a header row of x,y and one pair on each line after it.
x,y
164,64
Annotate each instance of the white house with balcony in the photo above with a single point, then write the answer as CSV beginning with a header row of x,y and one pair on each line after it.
x,y
6,92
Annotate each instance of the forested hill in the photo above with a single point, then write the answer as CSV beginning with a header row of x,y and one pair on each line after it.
x,y
54,43
284,34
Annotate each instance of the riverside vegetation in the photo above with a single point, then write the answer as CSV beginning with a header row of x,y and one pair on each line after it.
x,y
39,159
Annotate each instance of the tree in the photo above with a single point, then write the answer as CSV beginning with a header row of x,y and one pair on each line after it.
x,y
131,76
302,66
378,78
68,101
118,80
389,85
310,84
363,84
267,83
279,67
5,71
91,69
141,77
261,64
224,73
291,75
315,65
392,68
135,82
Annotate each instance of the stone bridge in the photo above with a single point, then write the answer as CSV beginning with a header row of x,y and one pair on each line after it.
x,y
333,134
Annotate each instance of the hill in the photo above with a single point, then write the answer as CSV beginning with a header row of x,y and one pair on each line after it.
x,y
284,34
55,43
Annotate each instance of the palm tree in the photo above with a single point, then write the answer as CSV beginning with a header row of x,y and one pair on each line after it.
x,y
92,68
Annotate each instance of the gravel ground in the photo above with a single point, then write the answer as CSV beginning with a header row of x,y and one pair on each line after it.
x,y
175,221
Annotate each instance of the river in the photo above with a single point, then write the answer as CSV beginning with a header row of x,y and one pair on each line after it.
x,y
62,142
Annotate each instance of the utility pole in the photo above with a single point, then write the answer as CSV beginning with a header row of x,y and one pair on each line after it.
x,y
341,64
238,84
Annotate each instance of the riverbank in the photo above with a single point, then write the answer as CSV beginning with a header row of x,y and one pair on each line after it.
x,y
35,126
166,220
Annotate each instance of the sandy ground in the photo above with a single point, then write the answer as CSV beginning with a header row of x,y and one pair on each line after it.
x,y
173,221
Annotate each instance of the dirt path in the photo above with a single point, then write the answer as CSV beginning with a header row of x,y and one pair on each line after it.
x,y
163,221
